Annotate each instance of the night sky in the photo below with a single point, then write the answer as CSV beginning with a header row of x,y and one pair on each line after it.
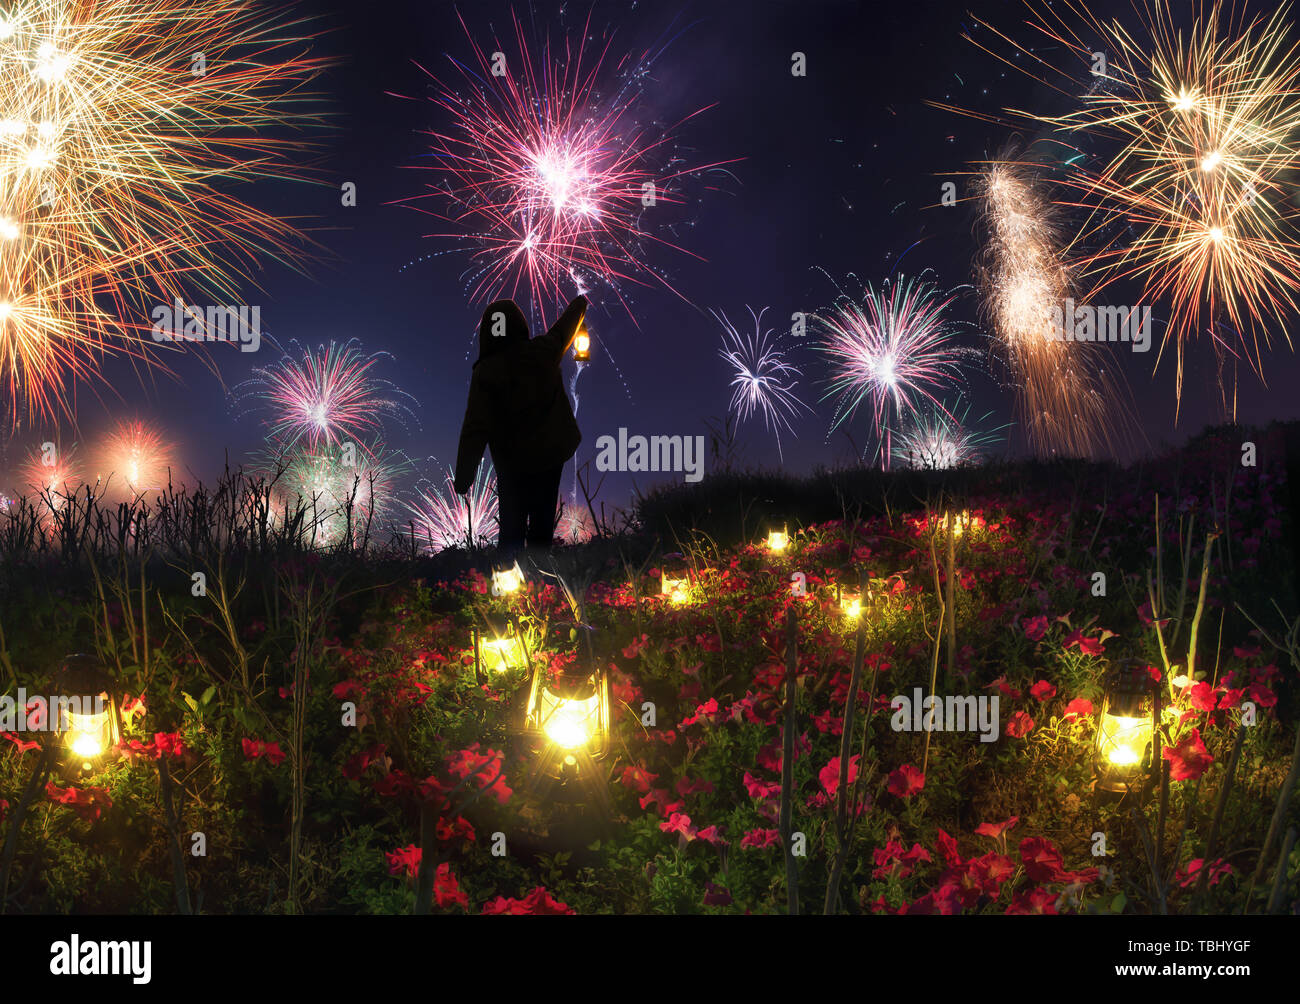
x,y
833,171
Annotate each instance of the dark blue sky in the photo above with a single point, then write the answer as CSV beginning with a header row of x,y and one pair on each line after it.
x,y
835,171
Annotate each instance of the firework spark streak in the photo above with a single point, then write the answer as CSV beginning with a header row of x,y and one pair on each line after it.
x,y
116,118
890,352
327,396
441,519
1203,126
1064,398
547,172
763,381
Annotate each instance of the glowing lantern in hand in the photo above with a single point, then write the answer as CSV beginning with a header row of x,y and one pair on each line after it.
x,y
582,345
86,718
1125,730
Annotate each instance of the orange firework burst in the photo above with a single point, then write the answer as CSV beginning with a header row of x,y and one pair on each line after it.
x,y
1065,398
136,457
116,117
51,470
1205,159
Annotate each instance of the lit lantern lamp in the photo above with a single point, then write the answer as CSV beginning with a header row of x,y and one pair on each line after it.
x,y
677,590
851,604
1125,730
778,540
568,718
87,719
507,580
582,345
501,650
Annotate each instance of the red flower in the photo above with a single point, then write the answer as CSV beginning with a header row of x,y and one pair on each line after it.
x,y
1043,691
356,765
1042,859
830,774
254,748
1005,689
708,711
1088,646
1202,697
168,744
404,859
636,647
1035,627
1218,870
996,830
761,789
712,836
716,895
1189,759
1079,707
87,803
23,747
487,768
761,839
947,847
132,709
1020,725
638,777
1035,901
906,781
538,903
446,890
686,787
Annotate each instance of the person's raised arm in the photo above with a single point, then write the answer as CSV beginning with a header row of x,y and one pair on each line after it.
x,y
560,336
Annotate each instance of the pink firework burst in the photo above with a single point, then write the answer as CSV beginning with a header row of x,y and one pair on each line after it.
x,y
328,396
136,457
441,519
890,352
546,172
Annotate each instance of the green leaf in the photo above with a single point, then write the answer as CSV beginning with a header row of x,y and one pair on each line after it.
x,y
207,694
1118,903
193,704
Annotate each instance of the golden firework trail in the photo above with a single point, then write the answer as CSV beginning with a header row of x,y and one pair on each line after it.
x,y
118,120
1195,197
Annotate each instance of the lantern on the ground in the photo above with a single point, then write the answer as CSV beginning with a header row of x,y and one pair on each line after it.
x,y
850,603
778,540
1126,729
86,718
507,580
677,590
568,719
501,649
582,345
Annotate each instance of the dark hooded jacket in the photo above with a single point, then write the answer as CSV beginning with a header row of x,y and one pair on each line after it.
x,y
517,404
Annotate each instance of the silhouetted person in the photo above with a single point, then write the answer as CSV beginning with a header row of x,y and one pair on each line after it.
x,y
519,410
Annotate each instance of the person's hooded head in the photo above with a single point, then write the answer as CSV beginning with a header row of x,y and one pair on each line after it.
x,y
503,325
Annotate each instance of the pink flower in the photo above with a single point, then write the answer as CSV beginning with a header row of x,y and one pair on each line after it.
x,y
716,895
679,822
711,835
830,774
906,781
761,839
1035,627
996,830
761,789
404,859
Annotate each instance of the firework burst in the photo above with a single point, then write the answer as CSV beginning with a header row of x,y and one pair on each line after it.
x,y
889,352
762,380
939,439
547,172
116,119
1065,399
442,519
1194,201
51,470
323,398
136,457
339,502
